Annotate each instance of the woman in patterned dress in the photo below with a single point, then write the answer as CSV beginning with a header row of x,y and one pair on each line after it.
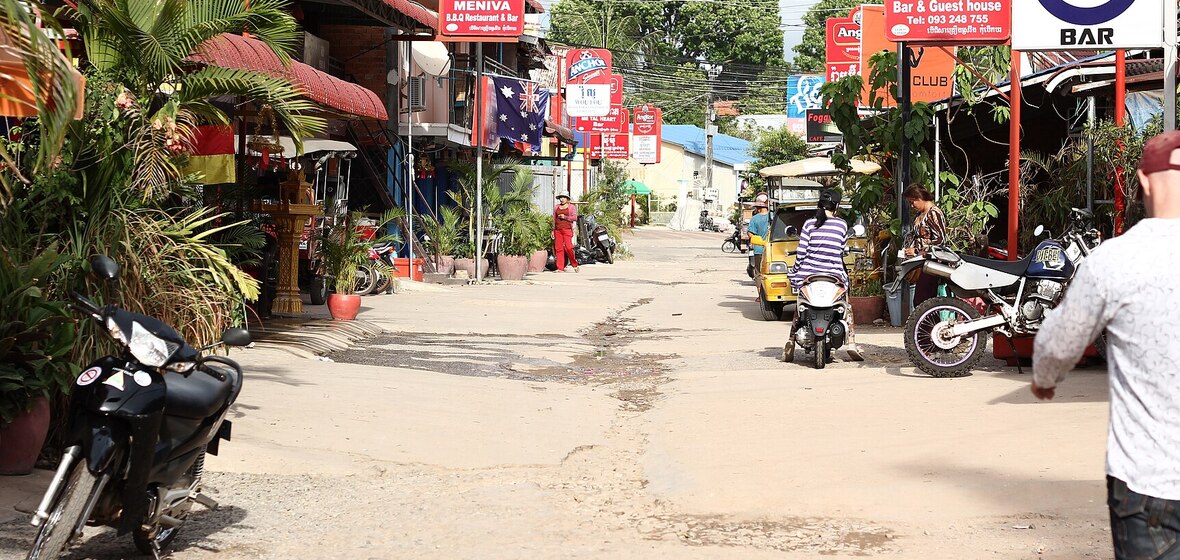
x,y
928,231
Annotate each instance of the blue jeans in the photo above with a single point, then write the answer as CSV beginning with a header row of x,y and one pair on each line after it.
x,y
1143,527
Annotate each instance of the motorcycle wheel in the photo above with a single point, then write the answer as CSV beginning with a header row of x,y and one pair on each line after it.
x,y
366,281
161,537
822,353
384,282
610,255
57,531
319,290
729,246
939,357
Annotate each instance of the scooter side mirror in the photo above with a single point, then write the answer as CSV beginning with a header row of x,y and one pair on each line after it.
x,y
104,267
792,231
1038,231
236,337
758,240
858,230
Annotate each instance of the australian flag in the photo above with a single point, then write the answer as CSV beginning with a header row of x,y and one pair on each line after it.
x,y
518,109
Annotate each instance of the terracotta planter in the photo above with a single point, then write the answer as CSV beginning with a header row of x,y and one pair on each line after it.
x,y
537,261
865,310
445,264
344,308
23,439
512,267
469,266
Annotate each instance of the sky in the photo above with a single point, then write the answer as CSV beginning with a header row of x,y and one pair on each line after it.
x,y
791,11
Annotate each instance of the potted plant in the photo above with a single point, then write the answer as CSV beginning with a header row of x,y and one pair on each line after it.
x,y
442,235
541,237
36,337
512,261
867,300
343,250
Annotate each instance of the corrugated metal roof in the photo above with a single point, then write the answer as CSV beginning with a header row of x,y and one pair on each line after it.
x,y
243,53
727,149
416,11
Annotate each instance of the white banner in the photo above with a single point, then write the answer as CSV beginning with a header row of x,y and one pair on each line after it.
x,y
644,148
587,100
1095,25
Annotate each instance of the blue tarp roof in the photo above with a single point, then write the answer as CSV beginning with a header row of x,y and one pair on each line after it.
x,y
727,149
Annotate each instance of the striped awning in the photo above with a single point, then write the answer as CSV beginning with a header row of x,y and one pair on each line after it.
x,y
243,53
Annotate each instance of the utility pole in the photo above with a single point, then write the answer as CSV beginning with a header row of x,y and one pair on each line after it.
x,y
713,71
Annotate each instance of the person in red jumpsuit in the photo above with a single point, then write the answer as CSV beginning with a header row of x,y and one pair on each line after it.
x,y
564,218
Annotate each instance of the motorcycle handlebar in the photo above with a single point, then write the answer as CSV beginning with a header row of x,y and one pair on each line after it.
x,y
83,304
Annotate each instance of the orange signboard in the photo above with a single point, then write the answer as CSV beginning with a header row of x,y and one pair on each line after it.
x,y
931,78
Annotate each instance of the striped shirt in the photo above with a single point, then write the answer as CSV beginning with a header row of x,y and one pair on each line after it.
x,y
821,251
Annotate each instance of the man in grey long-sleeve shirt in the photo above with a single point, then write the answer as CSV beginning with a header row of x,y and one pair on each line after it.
x,y
1129,287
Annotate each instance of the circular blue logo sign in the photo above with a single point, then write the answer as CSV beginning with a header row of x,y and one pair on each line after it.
x,y
1095,15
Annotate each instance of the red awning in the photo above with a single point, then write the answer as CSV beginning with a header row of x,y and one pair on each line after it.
x,y
243,53
417,11
536,5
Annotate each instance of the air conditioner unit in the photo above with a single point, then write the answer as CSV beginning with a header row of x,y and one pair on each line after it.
x,y
416,92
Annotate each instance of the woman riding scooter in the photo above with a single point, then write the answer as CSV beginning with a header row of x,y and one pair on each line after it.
x,y
821,251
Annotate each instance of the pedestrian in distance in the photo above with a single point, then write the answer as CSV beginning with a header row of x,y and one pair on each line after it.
x,y
759,225
564,217
928,230
1128,289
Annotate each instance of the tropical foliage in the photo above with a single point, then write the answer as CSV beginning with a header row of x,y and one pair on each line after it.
x,y
774,147
110,183
344,248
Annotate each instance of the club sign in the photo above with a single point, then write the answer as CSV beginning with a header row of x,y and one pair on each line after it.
x,y
1087,24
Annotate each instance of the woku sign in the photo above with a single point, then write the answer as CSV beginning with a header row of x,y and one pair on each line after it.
x,y
1087,24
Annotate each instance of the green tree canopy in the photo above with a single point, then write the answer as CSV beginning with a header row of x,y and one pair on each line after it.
x,y
811,52
728,32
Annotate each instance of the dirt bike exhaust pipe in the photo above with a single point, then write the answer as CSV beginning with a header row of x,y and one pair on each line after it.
x,y
67,461
938,269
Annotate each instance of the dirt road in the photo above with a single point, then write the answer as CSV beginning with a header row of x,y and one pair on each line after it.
x,y
636,411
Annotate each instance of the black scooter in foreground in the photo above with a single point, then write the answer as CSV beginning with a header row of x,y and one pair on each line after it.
x,y
140,424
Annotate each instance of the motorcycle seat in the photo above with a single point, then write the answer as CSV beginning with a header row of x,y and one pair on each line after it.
x,y
823,278
199,395
1015,268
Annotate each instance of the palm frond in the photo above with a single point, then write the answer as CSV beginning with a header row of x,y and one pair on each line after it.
x,y
49,73
266,20
291,110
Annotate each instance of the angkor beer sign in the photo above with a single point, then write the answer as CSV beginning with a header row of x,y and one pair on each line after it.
x,y
949,22
1087,24
843,48
646,146
482,19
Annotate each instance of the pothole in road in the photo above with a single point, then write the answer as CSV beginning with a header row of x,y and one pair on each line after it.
x,y
822,536
600,356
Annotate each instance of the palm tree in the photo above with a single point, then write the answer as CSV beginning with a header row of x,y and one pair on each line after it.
x,y
598,25
49,74
145,45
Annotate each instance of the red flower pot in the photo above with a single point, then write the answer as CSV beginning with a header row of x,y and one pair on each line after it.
x,y
23,439
344,308
865,310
